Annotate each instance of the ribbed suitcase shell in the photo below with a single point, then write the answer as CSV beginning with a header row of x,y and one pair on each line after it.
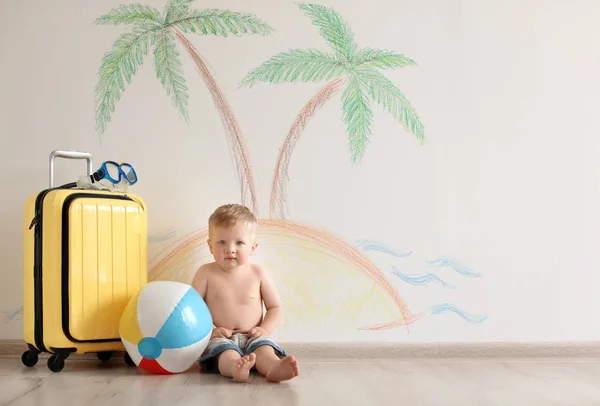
x,y
85,257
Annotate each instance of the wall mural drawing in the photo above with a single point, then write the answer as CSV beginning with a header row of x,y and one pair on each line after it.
x,y
13,315
149,30
326,283
162,236
421,280
448,307
442,264
454,264
371,245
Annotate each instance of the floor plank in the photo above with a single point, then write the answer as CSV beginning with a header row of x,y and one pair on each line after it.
x,y
411,383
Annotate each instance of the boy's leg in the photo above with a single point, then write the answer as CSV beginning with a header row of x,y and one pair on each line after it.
x,y
232,365
274,368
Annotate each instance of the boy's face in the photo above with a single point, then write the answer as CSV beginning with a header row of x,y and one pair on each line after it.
x,y
232,247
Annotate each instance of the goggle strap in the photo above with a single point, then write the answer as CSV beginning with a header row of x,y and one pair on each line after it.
x,y
97,175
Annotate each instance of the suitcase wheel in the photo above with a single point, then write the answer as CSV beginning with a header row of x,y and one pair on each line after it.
x,y
29,358
128,360
104,355
56,363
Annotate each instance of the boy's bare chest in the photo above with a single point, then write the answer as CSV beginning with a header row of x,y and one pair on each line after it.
x,y
235,289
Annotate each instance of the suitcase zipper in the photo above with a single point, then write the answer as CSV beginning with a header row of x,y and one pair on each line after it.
x,y
38,327
35,220
65,261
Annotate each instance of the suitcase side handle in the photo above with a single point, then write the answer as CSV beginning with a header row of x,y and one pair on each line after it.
x,y
70,155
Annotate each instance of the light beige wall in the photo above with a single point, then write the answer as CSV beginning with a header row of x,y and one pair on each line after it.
x,y
506,183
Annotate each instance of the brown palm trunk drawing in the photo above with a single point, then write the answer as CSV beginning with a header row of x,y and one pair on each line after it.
x,y
278,190
233,131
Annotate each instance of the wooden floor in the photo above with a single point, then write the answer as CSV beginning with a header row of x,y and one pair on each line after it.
x,y
573,382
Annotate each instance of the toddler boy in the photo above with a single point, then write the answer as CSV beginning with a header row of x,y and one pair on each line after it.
x,y
234,290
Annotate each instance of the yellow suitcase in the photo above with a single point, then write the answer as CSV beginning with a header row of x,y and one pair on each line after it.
x,y
85,257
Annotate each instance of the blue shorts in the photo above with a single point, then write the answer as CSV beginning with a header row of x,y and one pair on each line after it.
x,y
238,342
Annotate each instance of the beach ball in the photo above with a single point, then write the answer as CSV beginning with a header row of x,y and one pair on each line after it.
x,y
165,327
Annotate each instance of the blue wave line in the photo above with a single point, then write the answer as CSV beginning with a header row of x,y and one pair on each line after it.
x,y
14,315
160,237
422,279
370,245
448,307
454,264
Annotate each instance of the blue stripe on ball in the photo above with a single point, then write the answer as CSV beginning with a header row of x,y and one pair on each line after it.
x,y
189,322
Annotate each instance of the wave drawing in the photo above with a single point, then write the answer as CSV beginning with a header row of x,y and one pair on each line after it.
x,y
371,245
448,307
421,280
450,262
162,236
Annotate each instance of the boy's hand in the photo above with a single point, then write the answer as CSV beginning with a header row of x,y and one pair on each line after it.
x,y
258,331
220,332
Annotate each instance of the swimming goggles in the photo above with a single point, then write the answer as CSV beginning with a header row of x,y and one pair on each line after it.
x,y
115,172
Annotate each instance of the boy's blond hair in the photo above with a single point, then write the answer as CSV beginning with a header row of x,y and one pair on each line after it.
x,y
228,215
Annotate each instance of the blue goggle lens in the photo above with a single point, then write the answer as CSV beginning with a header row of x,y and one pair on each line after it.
x,y
114,172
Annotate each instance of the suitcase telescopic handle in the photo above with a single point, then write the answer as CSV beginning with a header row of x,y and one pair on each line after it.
x,y
71,155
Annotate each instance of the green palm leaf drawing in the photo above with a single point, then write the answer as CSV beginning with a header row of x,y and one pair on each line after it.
x,y
297,65
383,91
357,69
357,115
130,14
332,28
151,29
170,72
174,9
118,67
220,22
378,58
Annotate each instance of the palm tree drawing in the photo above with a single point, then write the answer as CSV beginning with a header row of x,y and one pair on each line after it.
x,y
347,65
150,30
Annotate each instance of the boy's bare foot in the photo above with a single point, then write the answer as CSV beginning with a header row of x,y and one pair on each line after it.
x,y
241,370
286,368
